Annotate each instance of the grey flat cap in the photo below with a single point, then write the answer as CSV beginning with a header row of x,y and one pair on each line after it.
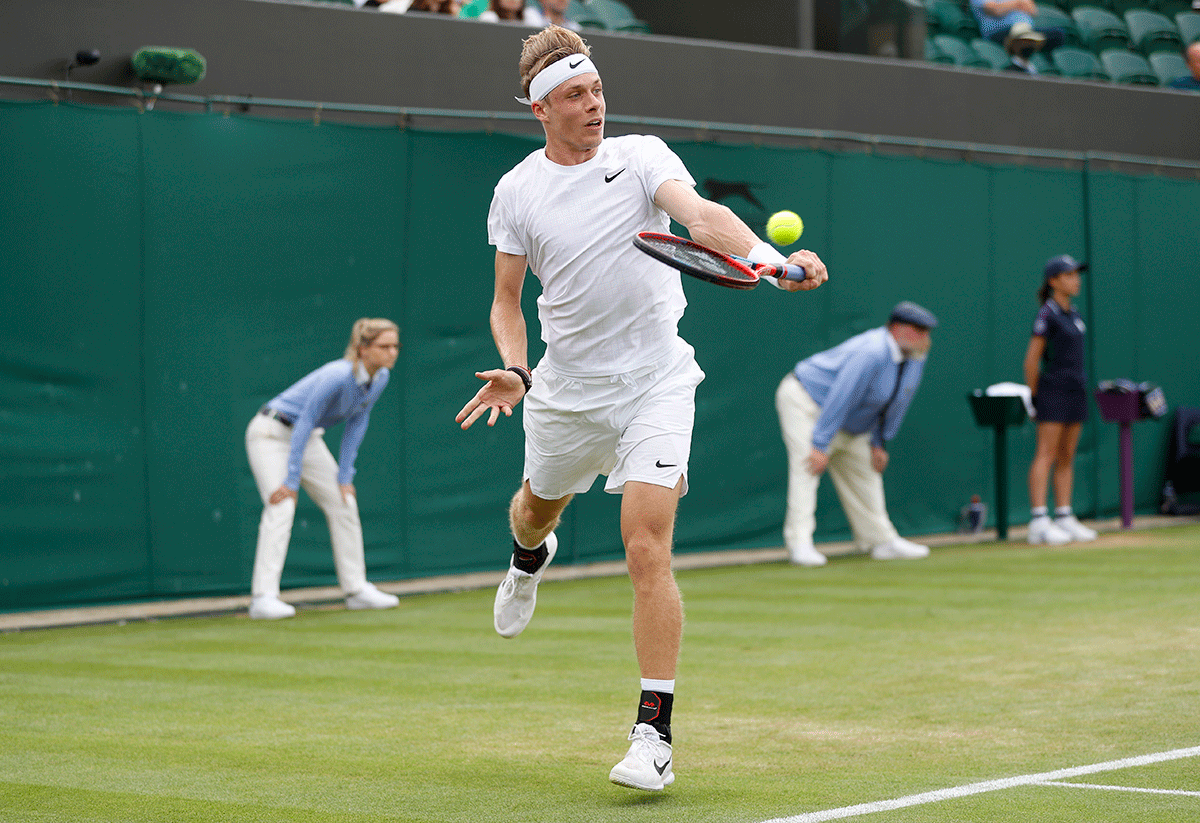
x,y
911,313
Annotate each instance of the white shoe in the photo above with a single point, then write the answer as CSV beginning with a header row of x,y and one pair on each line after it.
x,y
517,594
1043,530
806,555
647,766
270,607
899,549
372,598
1071,525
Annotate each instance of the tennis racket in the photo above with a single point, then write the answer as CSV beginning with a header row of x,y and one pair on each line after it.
x,y
709,265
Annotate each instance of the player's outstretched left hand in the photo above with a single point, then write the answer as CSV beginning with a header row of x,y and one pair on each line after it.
x,y
503,391
817,274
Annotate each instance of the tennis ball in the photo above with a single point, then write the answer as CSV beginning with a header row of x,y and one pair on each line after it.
x,y
784,228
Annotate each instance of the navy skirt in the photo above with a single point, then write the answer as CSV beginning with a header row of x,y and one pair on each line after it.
x,y
1060,405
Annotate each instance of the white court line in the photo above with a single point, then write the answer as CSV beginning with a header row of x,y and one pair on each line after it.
x,y
1118,788
986,786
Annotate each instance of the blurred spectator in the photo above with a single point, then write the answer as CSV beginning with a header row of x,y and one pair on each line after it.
x,y
1010,23
1193,60
450,7
508,10
548,12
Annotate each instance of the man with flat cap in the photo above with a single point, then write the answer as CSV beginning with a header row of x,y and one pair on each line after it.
x,y
838,409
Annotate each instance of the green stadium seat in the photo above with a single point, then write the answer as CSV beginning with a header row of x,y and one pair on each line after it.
x,y
1119,7
960,53
474,8
616,16
1100,29
935,55
1150,32
1168,66
1125,66
1043,65
1189,26
994,54
1053,17
948,17
1170,8
1077,63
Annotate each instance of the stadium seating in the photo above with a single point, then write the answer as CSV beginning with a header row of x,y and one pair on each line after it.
x,y
948,17
614,16
1100,29
1189,26
1077,63
960,53
473,8
994,54
1170,8
1168,66
1051,16
1125,66
1041,63
1150,32
935,55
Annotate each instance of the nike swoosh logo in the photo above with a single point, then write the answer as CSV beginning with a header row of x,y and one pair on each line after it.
x,y
663,767
663,465
608,178
576,64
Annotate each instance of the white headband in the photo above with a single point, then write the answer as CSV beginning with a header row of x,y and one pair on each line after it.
x,y
555,74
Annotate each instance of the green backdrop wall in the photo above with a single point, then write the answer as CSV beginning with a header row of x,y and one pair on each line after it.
x,y
165,274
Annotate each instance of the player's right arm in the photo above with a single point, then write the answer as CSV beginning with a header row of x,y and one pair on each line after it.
x,y
503,389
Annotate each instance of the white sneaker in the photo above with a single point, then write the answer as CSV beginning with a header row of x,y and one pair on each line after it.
x,y
899,549
1043,530
806,555
647,766
1071,525
270,607
372,598
517,595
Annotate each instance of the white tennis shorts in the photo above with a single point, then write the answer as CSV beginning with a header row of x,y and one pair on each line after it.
x,y
634,426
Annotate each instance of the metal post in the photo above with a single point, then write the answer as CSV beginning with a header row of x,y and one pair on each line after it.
x,y
1002,481
1126,474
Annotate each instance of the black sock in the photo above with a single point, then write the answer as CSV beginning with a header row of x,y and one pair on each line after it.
x,y
529,560
655,709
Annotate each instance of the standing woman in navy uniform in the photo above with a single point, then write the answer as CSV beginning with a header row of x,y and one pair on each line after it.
x,y
286,450
1054,372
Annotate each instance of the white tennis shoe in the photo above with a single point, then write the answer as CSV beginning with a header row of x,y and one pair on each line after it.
x,y
270,607
517,594
899,549
1071,525
647,766
1044,530
805,555
372,598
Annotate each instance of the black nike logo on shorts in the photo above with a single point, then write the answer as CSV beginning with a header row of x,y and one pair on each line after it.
x,y
663,465
608,178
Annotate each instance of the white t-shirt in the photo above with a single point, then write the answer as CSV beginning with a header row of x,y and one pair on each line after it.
x,y
606,308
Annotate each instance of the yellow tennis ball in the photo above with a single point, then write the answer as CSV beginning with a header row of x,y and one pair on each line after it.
x,y
784,228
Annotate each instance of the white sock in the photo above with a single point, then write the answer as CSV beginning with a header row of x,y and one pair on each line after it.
x,y
660,686
1039,511
1062,511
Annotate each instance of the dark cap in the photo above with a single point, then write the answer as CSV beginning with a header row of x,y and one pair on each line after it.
x,y
1064,262
913,314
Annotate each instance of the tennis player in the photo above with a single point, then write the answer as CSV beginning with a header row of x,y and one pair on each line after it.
x,y
615,392
286,450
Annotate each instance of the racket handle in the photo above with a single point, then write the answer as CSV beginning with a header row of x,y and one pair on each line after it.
x,y
785,271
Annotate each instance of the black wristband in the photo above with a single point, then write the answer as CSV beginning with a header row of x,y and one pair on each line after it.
x,y
524,374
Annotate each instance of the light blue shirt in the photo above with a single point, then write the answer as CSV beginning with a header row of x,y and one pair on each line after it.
x,y
324,398
853,381
990,26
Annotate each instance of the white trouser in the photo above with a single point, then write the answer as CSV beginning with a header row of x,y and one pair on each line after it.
x,y
859,486
268,443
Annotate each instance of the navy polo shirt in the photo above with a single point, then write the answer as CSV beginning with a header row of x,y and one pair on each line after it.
x,y
1063,358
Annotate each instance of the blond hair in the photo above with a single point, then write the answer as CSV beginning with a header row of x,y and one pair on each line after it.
x,y
549,45
364,332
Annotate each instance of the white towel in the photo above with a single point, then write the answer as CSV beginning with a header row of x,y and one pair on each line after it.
x,y
1012,390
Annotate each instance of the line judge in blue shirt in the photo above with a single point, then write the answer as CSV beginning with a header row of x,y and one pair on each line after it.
x,y
286,450
838,409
